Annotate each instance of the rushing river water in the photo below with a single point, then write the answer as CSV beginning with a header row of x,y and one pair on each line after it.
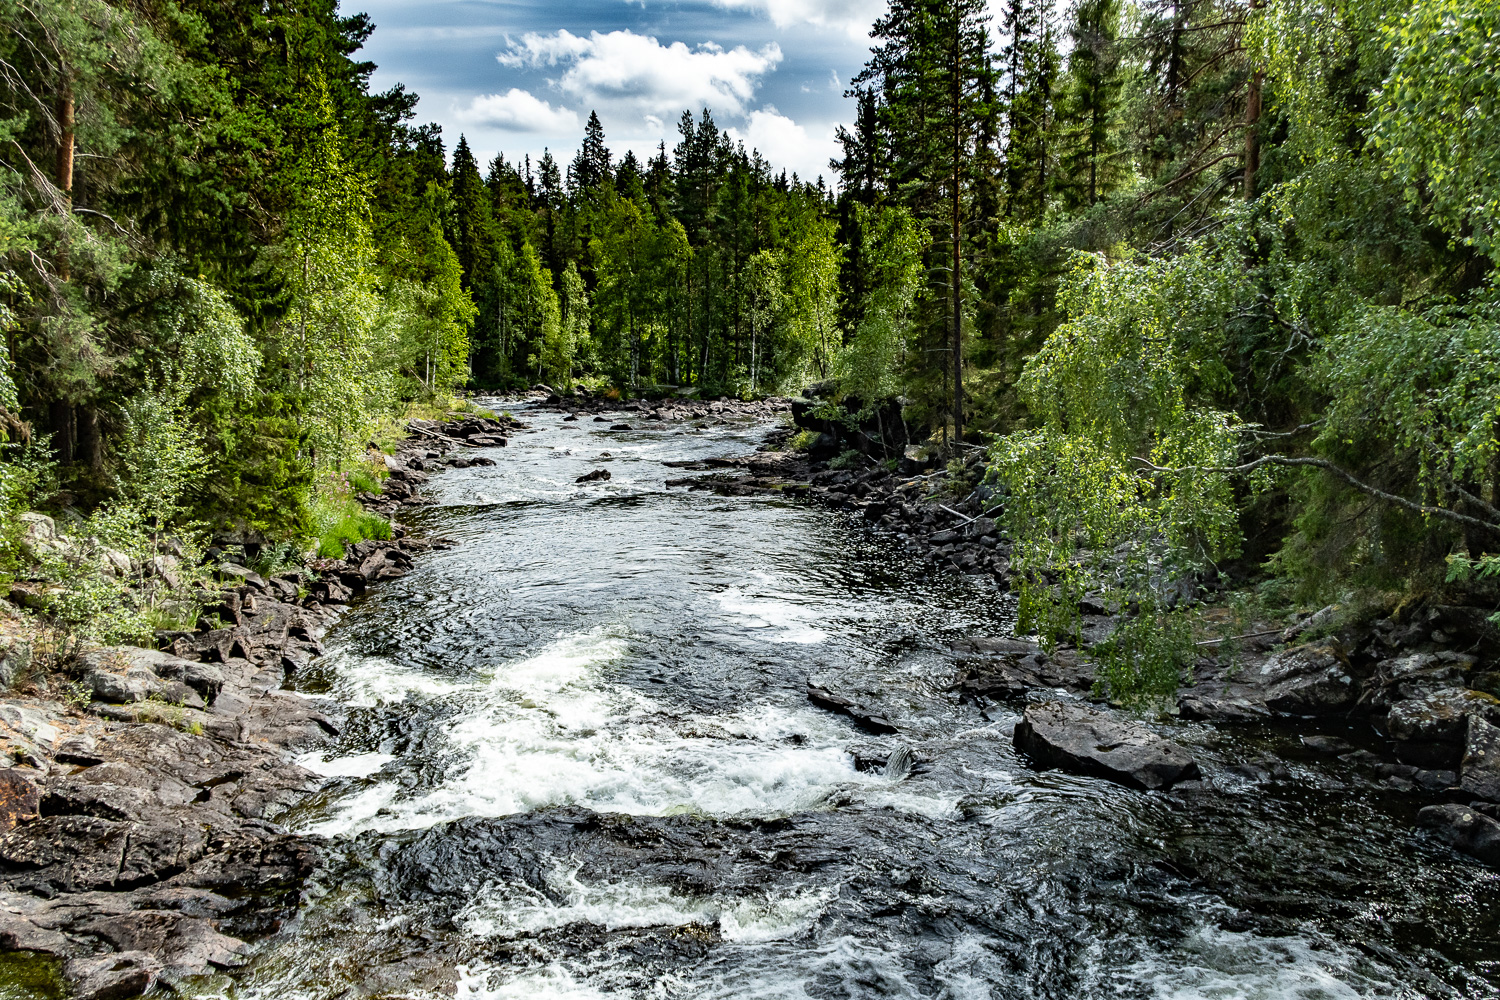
x,y
579,762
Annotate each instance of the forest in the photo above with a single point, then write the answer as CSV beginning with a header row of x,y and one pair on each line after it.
x,y
1210,282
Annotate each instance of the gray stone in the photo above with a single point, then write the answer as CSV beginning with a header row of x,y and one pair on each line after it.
x,y
80,749
1309,680
1439,717
112,977
1465,828
119,689
241,574
1081,739
869,719
1479,775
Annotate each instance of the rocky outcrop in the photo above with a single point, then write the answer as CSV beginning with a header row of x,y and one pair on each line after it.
x,y
1074,737
1309,680
1002,669
1465,828
871,720
142,850
139,837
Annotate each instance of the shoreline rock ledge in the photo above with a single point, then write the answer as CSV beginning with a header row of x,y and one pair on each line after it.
x,y
1084,740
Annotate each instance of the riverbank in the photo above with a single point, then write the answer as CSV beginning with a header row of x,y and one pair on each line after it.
x,y
139,833
1422,679
614,720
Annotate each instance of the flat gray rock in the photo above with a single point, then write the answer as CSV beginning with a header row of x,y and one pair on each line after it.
x,y
1083,740
1309,680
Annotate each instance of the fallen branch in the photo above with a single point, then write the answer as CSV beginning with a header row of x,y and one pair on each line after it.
x,y
1228,638
967,520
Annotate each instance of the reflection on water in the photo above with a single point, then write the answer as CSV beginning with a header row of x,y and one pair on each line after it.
x,y
579,762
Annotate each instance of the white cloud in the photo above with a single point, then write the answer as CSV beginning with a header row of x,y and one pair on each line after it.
x,y
638,73
787,145
853,17
519,111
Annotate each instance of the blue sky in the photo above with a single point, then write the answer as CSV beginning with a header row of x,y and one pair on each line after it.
x,y
516,76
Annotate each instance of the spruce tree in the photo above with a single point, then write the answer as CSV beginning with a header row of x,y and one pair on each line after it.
x,y
936,77
1090,157
473,223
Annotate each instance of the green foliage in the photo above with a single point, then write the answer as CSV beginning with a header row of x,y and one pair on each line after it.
x,y
872,362
1438,117
1114,488
1146,658
338,521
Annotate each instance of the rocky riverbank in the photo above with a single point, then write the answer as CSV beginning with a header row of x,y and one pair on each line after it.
x,y
139,840
1421,684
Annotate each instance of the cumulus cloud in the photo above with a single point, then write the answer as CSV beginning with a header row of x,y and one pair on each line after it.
x,y
637,72
517,110
786,144
852,17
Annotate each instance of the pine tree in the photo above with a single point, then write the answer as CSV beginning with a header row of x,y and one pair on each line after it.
x,y
1091,155
591,167
936,78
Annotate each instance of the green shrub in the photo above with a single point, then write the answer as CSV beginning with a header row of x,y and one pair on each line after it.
x,y
802,440
339,521
1146,657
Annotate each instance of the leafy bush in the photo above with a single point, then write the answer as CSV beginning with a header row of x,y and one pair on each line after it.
x,y
1146,657
338,521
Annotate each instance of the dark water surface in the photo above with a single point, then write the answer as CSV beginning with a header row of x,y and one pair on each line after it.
x,y
579,763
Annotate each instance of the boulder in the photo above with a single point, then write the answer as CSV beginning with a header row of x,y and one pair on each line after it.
x,y
620,427
235,573
80,749
1309,680
869,719
1479,775
165,569
112,977
15,660
1077,738
1440,717
593,477
1465,828
122,689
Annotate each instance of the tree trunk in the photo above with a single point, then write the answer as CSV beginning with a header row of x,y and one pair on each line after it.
x,y
1252,125
90,441
62,431
956,235
65,169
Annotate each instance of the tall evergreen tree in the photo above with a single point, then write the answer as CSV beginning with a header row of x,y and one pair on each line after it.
x,y
1091,153
936,77
473,221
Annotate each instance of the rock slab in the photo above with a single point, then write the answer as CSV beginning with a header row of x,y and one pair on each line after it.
x,y
1083,740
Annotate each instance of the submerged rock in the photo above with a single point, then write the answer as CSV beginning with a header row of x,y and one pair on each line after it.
x,y
868,719
1084,740
593,477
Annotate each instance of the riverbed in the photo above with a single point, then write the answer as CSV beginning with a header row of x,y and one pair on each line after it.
x,y
578,761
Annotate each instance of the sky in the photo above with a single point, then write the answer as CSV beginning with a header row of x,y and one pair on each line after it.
x,y
518,76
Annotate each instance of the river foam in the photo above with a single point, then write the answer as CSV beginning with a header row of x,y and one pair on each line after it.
x,y
551,729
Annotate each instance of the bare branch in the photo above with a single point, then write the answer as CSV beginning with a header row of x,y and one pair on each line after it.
x,y
1327,466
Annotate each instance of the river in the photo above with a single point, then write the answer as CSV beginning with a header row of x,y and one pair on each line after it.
x,y
578,762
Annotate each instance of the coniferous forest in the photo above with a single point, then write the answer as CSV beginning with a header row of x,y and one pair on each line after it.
x,y
1211,282
1050,551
